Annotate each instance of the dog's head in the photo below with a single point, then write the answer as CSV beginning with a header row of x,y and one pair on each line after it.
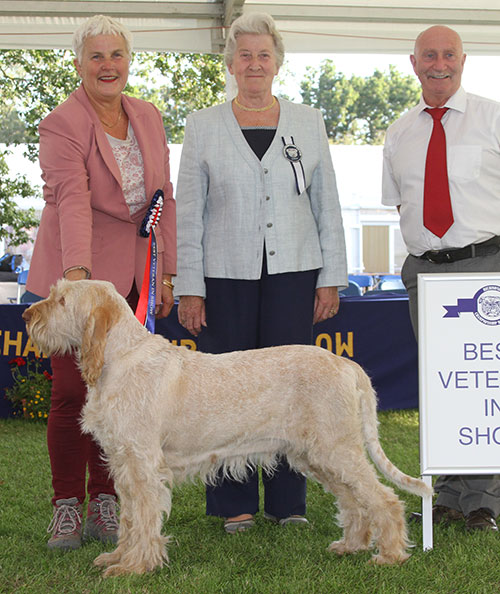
x,y
77,315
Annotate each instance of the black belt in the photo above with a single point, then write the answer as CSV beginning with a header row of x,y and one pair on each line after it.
x,y
474,250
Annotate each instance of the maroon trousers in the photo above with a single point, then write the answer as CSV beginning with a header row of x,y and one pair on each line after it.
x,y
72,452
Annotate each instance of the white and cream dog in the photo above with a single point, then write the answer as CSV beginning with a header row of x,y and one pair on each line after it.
x,y
164,413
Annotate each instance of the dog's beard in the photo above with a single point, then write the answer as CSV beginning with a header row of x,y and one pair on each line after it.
x,y
43,336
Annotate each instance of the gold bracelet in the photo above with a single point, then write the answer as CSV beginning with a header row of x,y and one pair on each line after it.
x,y
87,271
167,283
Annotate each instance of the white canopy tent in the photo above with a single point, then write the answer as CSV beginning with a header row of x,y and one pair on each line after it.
x,y
325,26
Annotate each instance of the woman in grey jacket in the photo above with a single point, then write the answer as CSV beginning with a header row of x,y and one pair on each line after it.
x,y
261,250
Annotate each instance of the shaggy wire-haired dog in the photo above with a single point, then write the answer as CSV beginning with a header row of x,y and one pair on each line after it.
x,y
164,413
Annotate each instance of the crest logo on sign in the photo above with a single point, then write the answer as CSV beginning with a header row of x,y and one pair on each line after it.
x,y
485,305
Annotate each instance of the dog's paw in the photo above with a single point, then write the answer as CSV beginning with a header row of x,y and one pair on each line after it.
x,y
397,559
114,570
106,559
341,547
124,568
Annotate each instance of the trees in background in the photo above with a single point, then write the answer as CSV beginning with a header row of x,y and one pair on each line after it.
x,y
355,109
179,84
358,110
33,82
14,221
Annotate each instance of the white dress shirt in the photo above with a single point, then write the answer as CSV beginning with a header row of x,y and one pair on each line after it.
x,y
472,127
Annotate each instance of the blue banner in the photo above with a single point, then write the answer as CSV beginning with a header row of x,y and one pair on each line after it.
x,y
376,333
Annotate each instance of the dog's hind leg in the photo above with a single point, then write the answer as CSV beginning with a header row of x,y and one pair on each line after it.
x,y
379,517
389,528
352,517
144,498
355,522
368,510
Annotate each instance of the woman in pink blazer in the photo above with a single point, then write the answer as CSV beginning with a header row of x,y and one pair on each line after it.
x,y
103,156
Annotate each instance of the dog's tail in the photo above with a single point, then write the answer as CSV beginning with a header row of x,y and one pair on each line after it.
x,y
368,405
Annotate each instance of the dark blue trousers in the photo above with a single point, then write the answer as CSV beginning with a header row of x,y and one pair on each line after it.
x,y
242,315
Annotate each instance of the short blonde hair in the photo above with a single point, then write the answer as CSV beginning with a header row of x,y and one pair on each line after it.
x,y
254,23
100,24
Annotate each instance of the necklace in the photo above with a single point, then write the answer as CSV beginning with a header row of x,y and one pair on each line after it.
x,y
255,108
113,125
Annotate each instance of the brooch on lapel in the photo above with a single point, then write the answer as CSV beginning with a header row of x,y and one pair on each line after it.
x,y
293,155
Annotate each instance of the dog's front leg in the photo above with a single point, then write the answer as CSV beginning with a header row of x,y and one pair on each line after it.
x,y
113,558
143,500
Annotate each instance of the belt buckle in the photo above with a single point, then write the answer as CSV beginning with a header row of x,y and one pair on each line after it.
x,y
431,256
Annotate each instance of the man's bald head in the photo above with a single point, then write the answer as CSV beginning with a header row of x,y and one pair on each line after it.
x,y
438,61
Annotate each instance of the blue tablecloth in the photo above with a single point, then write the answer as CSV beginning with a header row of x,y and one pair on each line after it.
x,y
376,332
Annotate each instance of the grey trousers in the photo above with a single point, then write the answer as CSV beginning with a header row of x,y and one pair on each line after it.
x,y
469,492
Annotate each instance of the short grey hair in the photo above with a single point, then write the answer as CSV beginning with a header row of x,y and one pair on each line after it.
x,y
254,23
100,24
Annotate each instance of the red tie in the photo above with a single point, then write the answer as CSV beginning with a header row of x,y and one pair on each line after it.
x,y
438,214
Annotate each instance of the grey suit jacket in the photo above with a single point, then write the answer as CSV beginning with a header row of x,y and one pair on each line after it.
x,y
231,206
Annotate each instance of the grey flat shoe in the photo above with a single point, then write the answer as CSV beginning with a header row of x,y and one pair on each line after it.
x,y
294,520
234,526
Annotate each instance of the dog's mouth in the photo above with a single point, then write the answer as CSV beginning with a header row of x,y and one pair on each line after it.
x,y
34,326
27,317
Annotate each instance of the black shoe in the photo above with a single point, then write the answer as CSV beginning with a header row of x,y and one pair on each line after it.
x,y
440,514
481,519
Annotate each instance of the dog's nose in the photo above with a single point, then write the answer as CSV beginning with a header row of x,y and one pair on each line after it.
x,y
27,315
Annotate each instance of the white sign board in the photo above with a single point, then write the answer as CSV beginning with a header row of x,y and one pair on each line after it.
x,y
459,373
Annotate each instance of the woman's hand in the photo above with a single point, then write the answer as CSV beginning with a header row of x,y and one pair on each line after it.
x,y
191,312
167,302
326,303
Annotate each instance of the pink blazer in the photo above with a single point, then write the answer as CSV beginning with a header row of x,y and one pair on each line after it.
x,y
86,221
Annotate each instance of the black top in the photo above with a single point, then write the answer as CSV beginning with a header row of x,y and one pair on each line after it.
x,y
259,139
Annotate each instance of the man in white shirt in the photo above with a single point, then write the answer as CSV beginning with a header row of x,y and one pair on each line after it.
x,y
471,242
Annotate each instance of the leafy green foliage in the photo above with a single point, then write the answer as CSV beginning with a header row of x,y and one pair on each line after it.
x,y
358,110
34,82
13,129
192,82
14,221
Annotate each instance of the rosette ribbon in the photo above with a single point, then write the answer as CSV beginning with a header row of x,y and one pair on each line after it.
x,y
145,311
293,154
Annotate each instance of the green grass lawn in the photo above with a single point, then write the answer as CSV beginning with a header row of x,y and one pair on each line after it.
x,y
203,559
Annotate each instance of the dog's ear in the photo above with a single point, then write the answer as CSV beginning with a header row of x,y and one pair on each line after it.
x,y
94,337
